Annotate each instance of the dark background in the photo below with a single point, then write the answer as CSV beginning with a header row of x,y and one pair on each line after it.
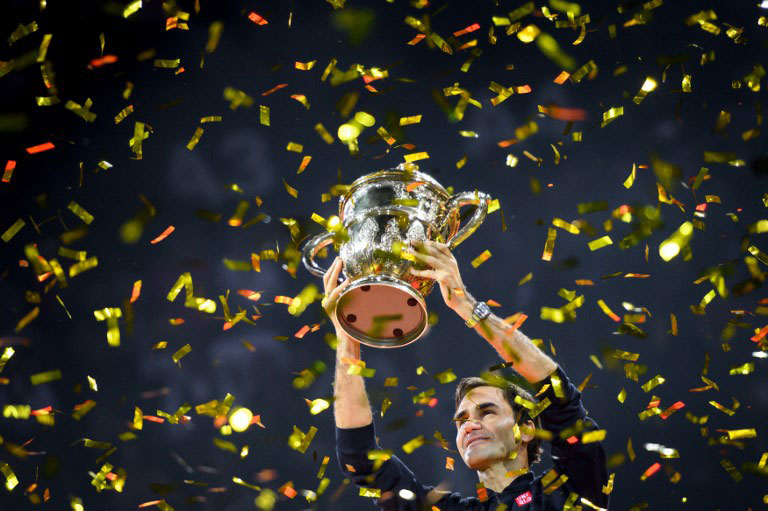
x,y
668,126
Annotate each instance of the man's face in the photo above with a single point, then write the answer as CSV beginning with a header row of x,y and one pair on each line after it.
x,y
485,431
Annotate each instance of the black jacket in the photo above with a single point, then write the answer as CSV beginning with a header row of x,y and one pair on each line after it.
x,y
583,465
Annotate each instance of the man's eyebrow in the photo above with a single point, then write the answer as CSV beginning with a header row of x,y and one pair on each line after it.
x,y
481,406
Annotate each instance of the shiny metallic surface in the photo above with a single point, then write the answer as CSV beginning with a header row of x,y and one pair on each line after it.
x,y
381,214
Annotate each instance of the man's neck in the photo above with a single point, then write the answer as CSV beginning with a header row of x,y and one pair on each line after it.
x,y
499,475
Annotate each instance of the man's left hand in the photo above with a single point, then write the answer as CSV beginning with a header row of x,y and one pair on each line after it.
x,y
443,268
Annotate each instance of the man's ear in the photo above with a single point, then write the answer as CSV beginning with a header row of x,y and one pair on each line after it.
x,y
527,430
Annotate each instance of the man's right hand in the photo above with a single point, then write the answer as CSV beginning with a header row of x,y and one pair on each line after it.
x,y
332,292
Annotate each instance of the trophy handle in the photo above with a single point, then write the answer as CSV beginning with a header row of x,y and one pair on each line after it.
x,y
458,201
311,249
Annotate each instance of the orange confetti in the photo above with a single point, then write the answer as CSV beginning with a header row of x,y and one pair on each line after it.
x,y
520,320
275,88
287,300
302,332
416,39
507,143
467,30
40,148
304,162
564,114
672,409
636,276
251,295
449,463
136,291
650,471
101,61
412,186
256,262
562,77
152,418
493,303
759,335
288,491
9,166
164,235
150,503
257,19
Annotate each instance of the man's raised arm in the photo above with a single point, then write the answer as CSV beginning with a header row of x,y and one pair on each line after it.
x,y
513,345
351,406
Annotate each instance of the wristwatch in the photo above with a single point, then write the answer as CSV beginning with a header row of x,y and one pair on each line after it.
x,y
480,312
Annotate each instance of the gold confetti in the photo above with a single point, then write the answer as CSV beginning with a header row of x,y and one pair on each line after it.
x,y
648,86
549,246
600,243
413,444
652,383
413,119
167,63
195,138
305,66
110,315
631,179
737,434
27,319
79,267
21,31
415,157
291,190
611,114
607,310
45,377
13,230
295,147
686,83
181,352
10,478
461,162
81,213
558,222
477,261
264,115
7,354
299,440
722,408
593,436
622,396
131,8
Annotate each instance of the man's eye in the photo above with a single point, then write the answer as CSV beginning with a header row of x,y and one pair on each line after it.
x,y
486,412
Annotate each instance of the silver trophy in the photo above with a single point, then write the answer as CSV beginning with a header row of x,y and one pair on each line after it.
x,y
380,214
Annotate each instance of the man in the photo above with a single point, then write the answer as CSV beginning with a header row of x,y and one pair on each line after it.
x,y
498,426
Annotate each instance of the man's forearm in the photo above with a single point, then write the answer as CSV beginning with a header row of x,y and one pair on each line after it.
x,y
510,343
351,406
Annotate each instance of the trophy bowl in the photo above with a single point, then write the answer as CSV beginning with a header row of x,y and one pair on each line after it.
x,y
380,214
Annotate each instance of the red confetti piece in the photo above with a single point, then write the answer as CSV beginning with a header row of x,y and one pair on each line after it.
x,y
9,166
701,207
288,491
416,39
42,411
302,332
275,88
164,235
507,143
152,418
433,402
106,59
650,471
672,409
572,439
493,303
149,503
757,337
467,30
40,148
566,114
257,19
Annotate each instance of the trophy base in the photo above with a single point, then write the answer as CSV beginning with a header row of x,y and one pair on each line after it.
x,y
382,312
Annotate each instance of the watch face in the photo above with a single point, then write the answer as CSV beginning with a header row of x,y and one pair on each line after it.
x,y
483,311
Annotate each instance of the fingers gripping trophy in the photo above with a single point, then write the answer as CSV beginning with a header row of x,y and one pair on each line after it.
x,y
381,301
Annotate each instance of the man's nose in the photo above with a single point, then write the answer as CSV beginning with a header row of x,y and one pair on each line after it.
x,y
471,425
